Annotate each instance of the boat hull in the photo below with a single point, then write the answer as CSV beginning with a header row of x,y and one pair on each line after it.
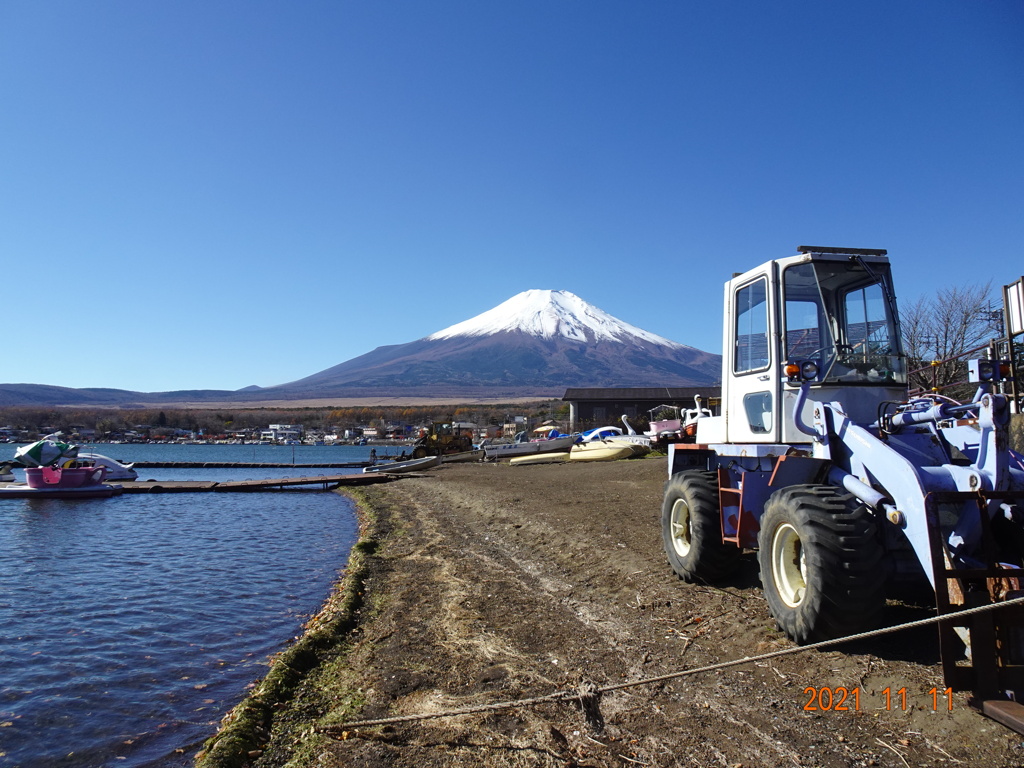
x,y
399,467
64,478
116,470
600,451
463,456
637,447
508,450
23,491
539,458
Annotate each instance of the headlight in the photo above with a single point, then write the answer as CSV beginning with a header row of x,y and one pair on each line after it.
x,y
804,370
979,371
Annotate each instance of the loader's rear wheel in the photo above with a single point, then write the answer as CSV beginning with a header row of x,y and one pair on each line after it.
x,y
691,528
823,564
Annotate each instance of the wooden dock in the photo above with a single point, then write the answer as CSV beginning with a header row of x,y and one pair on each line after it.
x,y
246,465
325,482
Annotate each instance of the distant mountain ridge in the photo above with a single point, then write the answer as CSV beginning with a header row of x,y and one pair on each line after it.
x,y
536,344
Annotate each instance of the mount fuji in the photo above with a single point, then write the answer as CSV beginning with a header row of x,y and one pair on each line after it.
x,y
537,343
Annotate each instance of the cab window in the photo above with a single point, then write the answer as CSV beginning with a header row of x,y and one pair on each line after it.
x,y
751,332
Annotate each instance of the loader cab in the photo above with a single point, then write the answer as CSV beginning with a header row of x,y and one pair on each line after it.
x,y
827,315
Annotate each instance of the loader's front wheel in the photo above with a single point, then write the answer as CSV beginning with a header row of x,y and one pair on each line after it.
x,y
691,528
822,561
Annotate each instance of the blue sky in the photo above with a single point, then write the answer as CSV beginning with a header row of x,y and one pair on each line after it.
x,y
218,194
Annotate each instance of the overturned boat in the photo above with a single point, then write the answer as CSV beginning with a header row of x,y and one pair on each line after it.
x,y
399,467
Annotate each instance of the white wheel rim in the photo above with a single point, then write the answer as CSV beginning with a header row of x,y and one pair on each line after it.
x,y
680,522
789,565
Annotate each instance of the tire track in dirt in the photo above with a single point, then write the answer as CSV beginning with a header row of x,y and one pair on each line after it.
x,y
502,583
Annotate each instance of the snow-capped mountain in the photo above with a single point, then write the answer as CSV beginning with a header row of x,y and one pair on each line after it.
x,y
536,344
550,314
539,342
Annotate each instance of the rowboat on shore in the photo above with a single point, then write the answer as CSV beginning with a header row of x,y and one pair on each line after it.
x,y
528,447
398,467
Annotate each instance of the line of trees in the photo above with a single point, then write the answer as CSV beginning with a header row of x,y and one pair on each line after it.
x,y
218,421
939,327
942,327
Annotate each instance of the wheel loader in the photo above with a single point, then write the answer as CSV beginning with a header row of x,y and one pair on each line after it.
x,y
842,483
443,438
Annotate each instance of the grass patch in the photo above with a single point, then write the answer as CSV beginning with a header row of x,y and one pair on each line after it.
x,y
246,731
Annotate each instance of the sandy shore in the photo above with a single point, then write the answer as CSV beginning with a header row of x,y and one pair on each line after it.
x,y
480,584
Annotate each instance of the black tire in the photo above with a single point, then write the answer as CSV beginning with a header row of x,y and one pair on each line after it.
x,y
823,563
419,452
691,528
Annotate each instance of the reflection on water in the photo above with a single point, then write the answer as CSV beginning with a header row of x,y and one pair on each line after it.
x,y
129,626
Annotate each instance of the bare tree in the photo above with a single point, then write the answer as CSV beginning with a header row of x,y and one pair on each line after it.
x,y
938,329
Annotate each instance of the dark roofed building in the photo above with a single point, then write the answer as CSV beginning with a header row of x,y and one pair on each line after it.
x,y
594,407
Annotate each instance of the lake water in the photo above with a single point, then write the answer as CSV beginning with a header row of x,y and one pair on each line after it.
x,y
129,626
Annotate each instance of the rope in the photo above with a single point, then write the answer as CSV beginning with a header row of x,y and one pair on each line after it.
x,y
587,692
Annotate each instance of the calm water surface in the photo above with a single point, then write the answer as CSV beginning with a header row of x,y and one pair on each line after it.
x,y
129,626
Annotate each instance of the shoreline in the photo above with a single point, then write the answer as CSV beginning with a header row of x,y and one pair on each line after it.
x,y
485,583
243,732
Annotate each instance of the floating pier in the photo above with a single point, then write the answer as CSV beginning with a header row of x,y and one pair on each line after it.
x,y
326,482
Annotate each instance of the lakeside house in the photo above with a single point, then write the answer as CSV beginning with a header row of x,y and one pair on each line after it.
x,y
596,406
282,433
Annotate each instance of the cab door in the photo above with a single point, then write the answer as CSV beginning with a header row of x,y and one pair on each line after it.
x,y
751,402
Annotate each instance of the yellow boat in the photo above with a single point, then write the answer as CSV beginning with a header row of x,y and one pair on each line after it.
x,y
600,450
539,458
637,449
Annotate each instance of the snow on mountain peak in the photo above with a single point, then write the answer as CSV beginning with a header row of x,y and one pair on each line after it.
x,y
549,314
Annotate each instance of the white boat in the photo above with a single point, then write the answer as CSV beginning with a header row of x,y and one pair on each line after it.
x,y
528,447
397,467
640,444
116,470
600,433
539,458
600,450
56,469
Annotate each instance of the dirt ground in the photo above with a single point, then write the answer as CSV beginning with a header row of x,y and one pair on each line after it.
x,y
494,583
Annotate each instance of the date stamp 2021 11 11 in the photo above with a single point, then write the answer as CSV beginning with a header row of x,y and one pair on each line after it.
x,y
843,699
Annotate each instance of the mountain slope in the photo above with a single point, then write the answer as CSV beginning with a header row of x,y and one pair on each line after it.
x,y
549,315
46,395
537,342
